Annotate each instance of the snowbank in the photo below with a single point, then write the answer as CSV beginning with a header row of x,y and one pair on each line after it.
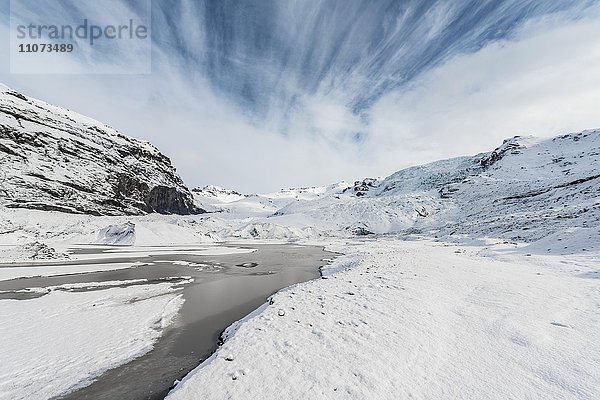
x,y
417,320
32,251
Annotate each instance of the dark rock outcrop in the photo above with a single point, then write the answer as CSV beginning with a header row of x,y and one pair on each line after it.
x,y
511,146
54,159
167,200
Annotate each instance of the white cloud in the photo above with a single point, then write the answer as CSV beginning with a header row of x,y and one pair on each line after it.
x,y
545,81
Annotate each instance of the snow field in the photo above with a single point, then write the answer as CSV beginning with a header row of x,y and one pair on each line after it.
x,y
417,320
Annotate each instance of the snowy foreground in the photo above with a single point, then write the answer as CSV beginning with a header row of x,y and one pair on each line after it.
x,y
64,336
394,317
420,319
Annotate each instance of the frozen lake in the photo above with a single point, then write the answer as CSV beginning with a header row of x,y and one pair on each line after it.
x,y
226,287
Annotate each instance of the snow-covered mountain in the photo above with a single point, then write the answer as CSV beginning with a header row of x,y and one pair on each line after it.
x,y
55,159
523,190
217,194
217,199
526,190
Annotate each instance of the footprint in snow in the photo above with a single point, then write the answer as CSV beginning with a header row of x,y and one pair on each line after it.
x,y
559,324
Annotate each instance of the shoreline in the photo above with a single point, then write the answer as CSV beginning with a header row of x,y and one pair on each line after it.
x,y
169,354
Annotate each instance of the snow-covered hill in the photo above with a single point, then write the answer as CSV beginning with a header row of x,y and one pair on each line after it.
x,y
527,190
524,190
215,194
55,159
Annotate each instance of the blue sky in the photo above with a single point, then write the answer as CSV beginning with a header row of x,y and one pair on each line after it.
x,y
261,95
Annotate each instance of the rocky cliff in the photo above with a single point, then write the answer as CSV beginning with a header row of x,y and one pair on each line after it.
x,y
55,159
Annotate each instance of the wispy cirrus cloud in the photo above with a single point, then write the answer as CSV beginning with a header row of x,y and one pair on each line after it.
x,y
263,95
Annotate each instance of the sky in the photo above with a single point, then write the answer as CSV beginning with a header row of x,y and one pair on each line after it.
x,y
262,95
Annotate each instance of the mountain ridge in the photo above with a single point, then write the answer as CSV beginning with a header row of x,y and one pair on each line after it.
x,y
524,190
55,159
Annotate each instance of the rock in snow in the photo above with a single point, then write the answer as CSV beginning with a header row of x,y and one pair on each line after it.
x,y
118,234
55,159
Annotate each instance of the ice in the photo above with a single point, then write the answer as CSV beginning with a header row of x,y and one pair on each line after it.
x,y
118,234
63,340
